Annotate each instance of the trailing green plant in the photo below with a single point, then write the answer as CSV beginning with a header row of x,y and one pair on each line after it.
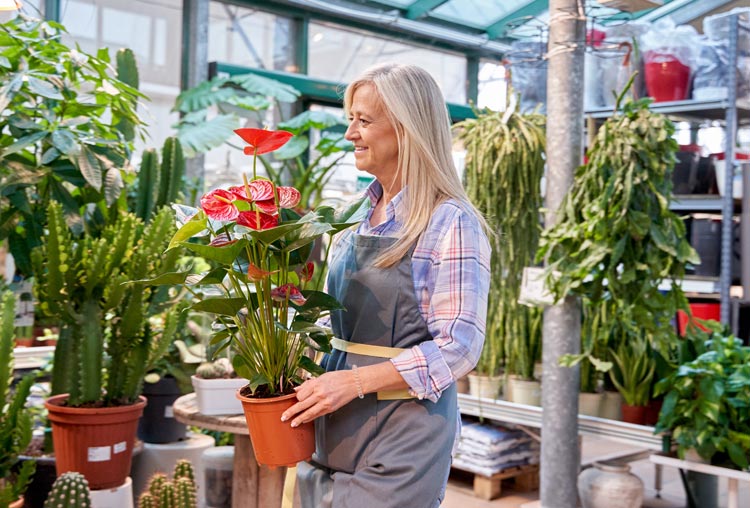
x,y
62,117
83,283
504,168
16,419
633,370
245,99
707,402
70,490
617,241
180,492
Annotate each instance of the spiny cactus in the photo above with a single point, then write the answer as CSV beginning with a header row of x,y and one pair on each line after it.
x,y
70,490
221,368
172,171
15,419
81,281
148,185
178,493
127,72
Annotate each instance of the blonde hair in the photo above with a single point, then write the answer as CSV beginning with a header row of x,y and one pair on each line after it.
x,y
416,109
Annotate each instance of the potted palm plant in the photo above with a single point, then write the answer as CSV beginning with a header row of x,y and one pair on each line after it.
x,y
504,168
265,312
106,342
15,422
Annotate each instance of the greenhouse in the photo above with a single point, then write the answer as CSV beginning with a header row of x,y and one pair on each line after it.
x,y
374,253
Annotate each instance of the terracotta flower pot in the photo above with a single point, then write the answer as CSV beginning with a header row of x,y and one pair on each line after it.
x,y
96,442
275,442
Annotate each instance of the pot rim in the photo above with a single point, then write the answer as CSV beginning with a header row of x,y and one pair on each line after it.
x,y
612,468
53,404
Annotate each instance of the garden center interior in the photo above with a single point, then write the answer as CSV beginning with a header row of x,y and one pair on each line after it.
x,y
606,142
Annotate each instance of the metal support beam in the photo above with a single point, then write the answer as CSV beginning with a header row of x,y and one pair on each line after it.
x,y
472,79
52,10
422,7
301,31
237,28
727,208
499,27
194,65
562,322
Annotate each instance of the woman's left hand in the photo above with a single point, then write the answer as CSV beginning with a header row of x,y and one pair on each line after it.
x,y
321,395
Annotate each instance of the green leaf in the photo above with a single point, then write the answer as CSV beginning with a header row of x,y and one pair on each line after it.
x,y
203,136
88,165
24,142
311,120
203,96
222,306
250,102
295,147
737,454
330,144
64,141
188,230
165,279
254,83
310,366
225,255
43,88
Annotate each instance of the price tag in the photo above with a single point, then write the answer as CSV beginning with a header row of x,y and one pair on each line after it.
x,y
534,292
168,412
120,447
99,453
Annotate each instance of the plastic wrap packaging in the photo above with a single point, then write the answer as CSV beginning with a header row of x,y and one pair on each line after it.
x,y
712,66
669,54
528,71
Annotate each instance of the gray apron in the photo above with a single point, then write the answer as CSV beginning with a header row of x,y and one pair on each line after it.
x,y
378,453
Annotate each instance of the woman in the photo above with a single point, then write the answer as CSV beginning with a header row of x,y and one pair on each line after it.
x,y
414,280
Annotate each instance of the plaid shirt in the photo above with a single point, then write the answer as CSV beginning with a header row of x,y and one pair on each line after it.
x,y
451,273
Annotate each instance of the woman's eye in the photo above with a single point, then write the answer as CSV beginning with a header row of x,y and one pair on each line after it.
x,y
362,121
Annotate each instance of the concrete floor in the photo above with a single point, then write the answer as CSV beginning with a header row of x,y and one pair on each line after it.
x,y
672,495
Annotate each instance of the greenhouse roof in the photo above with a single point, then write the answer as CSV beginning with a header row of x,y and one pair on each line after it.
x,y
482,27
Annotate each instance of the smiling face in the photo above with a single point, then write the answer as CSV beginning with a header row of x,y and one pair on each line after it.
x,y
374,138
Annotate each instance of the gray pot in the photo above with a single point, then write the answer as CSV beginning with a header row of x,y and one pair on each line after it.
x,y
609,486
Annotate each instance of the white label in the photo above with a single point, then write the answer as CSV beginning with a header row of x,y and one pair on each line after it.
x,y
120,447
99,453
533,290
168,412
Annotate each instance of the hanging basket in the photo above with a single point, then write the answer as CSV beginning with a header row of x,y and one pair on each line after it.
x,y
96,442
276,443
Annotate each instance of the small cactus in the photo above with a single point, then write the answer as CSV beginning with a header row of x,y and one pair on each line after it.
x,y
221,368
178,493
70,490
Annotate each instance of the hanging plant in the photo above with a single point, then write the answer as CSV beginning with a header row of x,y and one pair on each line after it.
x,y
504,168
617,240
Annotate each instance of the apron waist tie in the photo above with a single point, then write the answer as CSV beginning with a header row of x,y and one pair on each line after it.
x,y
378,352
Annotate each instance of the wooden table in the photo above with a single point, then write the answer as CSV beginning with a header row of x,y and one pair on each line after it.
x,y
733,475
253,486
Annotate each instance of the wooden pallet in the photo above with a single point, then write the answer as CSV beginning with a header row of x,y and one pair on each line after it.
x,y
525,479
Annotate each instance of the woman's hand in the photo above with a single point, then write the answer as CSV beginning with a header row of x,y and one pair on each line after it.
x,y
321,395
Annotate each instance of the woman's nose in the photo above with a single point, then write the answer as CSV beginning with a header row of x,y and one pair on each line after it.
x,y
351,132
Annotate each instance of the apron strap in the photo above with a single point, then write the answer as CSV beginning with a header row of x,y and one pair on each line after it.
x,y
378,352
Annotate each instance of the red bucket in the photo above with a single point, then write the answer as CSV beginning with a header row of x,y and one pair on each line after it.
x,y
705,311
667,78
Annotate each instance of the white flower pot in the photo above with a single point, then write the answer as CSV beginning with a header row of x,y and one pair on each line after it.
x,y
523,391
118,497
609,486
485,387
216,396
589,404
611,407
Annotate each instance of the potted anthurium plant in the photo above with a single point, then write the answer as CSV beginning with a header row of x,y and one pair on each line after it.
x,y
265,313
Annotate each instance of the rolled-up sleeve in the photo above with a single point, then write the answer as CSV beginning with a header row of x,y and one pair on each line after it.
x,y
450,266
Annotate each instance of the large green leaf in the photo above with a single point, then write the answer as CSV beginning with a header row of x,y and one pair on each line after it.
x,y
225,255
203,136
24,142
310,366
305,235
188,230
88,165
267,87
43,88
293,148
204,96
222,306
249,102
311,120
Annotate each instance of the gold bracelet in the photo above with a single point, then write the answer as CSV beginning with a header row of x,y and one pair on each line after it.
x,y
357,381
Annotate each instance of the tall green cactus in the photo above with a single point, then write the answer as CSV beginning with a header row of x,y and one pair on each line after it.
x,y
148,185
15,420
159,186
82,281
127,72
178,493
70,490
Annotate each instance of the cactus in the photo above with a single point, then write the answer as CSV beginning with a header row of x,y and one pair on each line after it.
x,y
127,72
15,419
172,171
82,282
70,490
148,185
221,368
178,493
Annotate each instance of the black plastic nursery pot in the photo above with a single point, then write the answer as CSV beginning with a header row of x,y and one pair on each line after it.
x,y
158,424
41,481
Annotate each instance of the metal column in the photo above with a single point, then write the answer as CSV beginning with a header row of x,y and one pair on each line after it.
x,y
727,205
194,64
562,329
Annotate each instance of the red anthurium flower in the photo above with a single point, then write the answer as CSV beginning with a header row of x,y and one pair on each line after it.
x,y
260,190
218,205
263,141
289,291
267,206
288,197
256,274
257,220
306,272
222,241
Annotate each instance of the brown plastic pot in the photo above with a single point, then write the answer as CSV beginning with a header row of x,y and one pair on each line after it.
x,y
96,442
634,414
275,442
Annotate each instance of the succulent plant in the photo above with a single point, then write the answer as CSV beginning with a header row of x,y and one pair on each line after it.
x,y
15,420
218,369
70,490
180,492
159,186
82,282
